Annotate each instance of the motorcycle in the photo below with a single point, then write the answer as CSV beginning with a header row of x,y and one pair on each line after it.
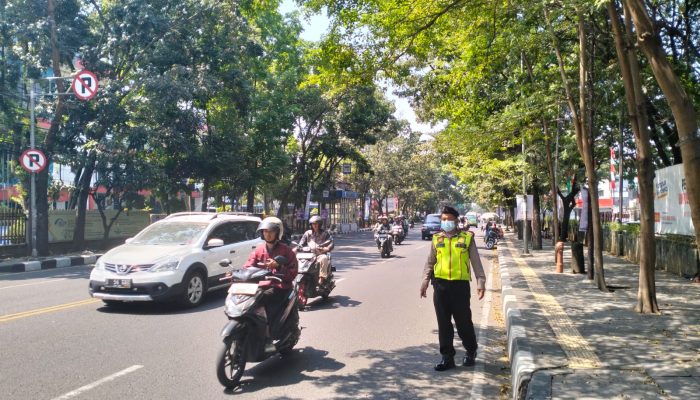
x,y
398,233
249,336
384,243
491,238
307,278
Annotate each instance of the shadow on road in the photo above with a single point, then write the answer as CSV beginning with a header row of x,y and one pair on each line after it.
x,y
331,303
288,370
405,373
211,301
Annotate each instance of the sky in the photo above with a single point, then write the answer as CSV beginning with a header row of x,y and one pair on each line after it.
x,y
316,26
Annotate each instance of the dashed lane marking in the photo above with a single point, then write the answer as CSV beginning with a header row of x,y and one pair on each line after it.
x,y
577,349
95,384
39,311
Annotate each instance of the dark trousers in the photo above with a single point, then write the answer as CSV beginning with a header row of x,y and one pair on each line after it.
x,y
451,300
275,300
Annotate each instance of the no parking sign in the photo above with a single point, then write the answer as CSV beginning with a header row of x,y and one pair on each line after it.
x,y
85,85
33,160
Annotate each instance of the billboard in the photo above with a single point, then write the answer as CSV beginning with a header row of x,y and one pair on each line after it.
x,y
671,207
520,207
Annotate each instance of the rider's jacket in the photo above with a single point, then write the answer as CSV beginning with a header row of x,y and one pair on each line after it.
x,y
322,237
382,227
261,254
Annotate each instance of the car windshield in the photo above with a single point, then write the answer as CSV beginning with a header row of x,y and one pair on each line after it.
x,y
432,219
168,233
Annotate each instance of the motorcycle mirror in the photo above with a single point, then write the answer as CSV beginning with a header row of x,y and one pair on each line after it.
x,y
225,262
295,244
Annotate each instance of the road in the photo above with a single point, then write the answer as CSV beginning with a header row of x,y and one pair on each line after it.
x,y
374,338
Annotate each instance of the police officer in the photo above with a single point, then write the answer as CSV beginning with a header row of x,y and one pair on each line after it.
x,y
448,267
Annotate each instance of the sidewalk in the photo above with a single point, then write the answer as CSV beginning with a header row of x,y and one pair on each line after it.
x,y
568,340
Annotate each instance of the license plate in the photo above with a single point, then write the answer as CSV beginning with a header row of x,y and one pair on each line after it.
x,y
118,283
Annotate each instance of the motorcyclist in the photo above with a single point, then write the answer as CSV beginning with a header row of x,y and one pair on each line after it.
x,y
314,238
404,223
399,222
382,225
266,255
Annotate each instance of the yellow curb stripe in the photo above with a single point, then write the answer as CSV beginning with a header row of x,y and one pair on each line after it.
x,y
579,352
39,311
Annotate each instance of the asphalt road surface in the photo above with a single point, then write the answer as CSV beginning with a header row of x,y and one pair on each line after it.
x,y
373,338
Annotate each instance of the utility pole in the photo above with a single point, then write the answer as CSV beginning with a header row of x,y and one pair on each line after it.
x,y
526,250
619,156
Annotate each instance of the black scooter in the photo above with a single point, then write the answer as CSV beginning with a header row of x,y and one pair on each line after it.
x,y
491,238
249,336
384,243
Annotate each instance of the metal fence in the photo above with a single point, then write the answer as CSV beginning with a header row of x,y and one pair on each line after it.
x,y
13,227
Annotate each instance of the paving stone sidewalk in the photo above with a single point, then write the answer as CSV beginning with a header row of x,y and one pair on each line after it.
x,y
568,340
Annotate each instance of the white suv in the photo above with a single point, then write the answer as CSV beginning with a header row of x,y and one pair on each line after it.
x,y
175,258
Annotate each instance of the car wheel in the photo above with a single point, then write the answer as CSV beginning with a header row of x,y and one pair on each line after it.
x,y
231,364
194,289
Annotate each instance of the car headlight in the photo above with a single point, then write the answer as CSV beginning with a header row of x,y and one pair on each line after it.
x,y
100,265
169,265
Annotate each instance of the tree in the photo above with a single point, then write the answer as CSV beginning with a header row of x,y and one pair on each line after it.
x,y
678,100
636,110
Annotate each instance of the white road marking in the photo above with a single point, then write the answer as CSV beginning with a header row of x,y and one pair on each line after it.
x,y
339,280
93,385
479,374
33,283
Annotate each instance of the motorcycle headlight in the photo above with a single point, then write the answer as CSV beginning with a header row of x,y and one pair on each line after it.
x,y
168,265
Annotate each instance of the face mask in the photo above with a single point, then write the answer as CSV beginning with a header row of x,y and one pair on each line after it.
x,y
447,226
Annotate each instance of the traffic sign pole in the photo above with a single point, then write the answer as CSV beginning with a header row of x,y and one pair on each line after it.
x,y
32,209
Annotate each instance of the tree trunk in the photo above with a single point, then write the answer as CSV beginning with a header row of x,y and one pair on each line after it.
x,y
250,202
552,182
637,111
587,151
82,197
681,105
569,202
205,195
42,178
584,141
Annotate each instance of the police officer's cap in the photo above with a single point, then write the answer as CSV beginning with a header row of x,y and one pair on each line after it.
x,y
451,211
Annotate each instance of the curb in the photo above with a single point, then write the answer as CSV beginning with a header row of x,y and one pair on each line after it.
x,y
522,349
49,263
519,353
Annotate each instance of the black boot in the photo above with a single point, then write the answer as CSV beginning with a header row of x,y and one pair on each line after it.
x,y
469,359
445,364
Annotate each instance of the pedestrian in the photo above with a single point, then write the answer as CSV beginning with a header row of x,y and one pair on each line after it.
x,y
452,253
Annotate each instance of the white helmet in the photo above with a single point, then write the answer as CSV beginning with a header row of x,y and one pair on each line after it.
x,y
271,223
315,219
